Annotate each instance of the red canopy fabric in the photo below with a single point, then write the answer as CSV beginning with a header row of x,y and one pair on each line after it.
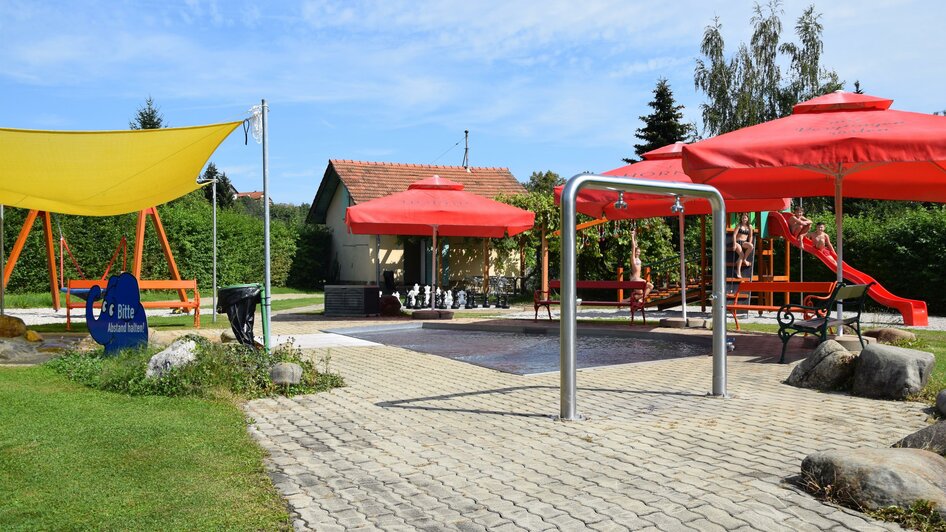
x,y
662,164
437,203
877,153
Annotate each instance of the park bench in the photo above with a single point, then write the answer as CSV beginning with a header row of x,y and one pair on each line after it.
x,y
739,300
822,310
551,297
181,286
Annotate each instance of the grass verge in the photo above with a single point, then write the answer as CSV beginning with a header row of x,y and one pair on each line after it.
x,y
74,458
922,516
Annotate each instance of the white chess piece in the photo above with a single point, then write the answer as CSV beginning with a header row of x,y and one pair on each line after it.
x,y
427,296
461,298
448,299
397,295
411,294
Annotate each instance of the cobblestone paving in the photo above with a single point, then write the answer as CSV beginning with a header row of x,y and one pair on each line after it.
x,y
418,441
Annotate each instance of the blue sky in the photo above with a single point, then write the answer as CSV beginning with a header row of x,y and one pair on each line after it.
x,y
552,85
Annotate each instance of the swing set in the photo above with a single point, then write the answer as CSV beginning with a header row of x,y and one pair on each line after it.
x,y
58,283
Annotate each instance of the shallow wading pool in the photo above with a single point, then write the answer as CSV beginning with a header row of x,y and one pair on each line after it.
x,y
526,353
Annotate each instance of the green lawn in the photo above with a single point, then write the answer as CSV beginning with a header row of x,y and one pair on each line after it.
x,y
74,458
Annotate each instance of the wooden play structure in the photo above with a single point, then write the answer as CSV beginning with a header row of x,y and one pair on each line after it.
x,y
57,281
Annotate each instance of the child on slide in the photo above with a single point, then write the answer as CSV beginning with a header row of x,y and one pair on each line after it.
x,y
820,239
799,225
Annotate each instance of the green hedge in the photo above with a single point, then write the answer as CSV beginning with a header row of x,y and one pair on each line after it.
x,y
188,223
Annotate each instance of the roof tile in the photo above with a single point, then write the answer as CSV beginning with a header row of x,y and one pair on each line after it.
x,y
370,180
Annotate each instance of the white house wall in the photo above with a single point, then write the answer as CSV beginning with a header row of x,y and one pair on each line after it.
x,y
357,255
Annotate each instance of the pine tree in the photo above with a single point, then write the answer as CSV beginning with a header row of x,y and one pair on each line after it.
x,y
147,117
663,126
223,185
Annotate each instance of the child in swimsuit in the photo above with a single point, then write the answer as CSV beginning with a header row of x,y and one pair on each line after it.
x,y
742,243
799,225
821,239
636,269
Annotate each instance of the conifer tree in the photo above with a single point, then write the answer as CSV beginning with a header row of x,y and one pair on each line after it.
x,y
663,126
147,117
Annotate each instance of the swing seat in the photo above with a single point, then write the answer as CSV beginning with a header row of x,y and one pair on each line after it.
x,y
81,293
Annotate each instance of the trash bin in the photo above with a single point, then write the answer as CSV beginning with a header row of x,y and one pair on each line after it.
x,y
239,303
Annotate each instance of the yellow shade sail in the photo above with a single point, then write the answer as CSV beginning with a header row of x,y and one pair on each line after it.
x,y
103,173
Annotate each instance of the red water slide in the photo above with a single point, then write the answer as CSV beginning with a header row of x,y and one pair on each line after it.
x,y
913,311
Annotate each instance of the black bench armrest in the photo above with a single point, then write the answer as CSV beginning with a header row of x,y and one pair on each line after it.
x,y
792,312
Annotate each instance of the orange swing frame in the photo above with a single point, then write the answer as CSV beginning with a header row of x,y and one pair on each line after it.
x,y
54,283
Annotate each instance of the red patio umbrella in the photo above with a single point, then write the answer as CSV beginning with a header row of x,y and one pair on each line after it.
x,y
437,206
662,164
842,140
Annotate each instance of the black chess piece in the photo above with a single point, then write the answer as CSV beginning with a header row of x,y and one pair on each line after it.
x,y
470,300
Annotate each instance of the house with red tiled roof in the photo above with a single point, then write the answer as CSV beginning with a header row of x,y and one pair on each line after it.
x,y
363,258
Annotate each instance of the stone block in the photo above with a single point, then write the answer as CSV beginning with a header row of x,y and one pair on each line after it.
x,y
286,373
11,327
888,372
181,352
828,368
877,478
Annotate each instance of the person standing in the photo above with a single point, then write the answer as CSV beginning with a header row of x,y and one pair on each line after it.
x,y
636,267
742,244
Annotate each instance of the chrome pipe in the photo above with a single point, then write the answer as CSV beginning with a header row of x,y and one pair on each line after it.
x,y
568,323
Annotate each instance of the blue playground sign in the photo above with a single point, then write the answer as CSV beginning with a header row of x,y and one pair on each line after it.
x,y
122,323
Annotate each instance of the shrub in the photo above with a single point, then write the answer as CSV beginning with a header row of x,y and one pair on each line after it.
x,y
218,369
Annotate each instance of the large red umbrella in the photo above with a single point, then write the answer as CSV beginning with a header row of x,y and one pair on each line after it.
x,y
437,206
837,144
662,164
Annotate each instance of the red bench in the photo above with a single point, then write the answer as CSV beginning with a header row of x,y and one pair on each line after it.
x,y
549,298
816,290
182,285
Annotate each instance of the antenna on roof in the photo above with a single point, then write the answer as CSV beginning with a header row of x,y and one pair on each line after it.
x,y
466,150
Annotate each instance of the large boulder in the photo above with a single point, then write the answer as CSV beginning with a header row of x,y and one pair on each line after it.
x,y
181,352
286,373
889,335
931,438
888,372
941,403
390,306
877,478
227,336
11,327
829,367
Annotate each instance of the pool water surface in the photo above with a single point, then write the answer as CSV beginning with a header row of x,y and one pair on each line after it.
x,y
525,354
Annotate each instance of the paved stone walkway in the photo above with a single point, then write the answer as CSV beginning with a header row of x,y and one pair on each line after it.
x,y
418,441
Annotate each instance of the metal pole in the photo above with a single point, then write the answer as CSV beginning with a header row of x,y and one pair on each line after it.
x,y
568,324
3,267
213,312
267,280
838,223
433,273
683,272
